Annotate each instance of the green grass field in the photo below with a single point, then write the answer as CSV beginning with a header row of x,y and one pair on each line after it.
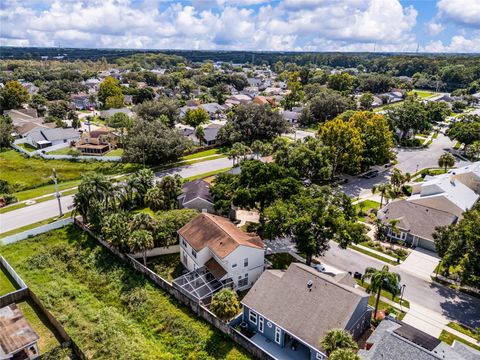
x,y
6,284
200,154
167,266
110,310
421,93
464,330
27,147
65,151
208,174
116,152
449,338
364,207
27,173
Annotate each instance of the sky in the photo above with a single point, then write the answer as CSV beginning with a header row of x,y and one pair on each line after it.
x,y
279,25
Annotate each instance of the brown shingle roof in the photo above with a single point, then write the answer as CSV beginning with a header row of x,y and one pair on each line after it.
x,y
15,331
308,313
215,268
217,233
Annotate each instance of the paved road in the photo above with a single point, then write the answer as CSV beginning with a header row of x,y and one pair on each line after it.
x,y
48,209
437,298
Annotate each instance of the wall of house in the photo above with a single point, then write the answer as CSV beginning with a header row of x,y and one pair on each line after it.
x,y
256,262
268,331
193,262
360,319
470,180
200,205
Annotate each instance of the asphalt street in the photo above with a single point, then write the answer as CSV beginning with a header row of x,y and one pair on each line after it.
x,y
440,299
49,209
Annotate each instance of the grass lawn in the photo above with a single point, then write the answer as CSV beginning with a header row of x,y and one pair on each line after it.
x,y
116,152
45,190
376,256
208,174
464,330
110,310
449,338
49,340
384,306
281,261
388,106
27,147
457,145
65,151
6,284
385,294
364,207
34,225
421,93
167,266
208,152
27,173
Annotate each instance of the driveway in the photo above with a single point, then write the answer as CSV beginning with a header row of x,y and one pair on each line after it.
x,y
421,263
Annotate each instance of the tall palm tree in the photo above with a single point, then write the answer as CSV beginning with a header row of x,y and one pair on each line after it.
x,y
200,135
384,189
446,160
337,339
257,148
233,155
94,187
377,279
142,221
141,241
344,354
139,183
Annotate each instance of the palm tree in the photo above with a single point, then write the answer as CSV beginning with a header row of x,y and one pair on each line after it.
x,y
344,354
225,304
155,198
142,221
257,148
377,279
141,241
93,188
446,161
384,189
233,155
139,183
337,339
200,135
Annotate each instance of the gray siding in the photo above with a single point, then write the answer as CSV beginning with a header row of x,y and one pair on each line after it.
x,y
360,320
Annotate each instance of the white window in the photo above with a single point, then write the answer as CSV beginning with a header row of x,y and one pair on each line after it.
x,y
194,253
243,282
234,265
184,243
245,262
278,333
252,317
319,356
260,324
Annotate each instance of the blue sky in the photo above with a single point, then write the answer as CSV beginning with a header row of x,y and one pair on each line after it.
x,y
286,25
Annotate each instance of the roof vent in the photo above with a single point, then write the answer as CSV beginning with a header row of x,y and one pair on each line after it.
x,y
309,284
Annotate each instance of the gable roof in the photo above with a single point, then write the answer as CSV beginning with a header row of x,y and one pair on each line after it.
x,y
308,313
197,189
217,233
15,331
417,219
41,134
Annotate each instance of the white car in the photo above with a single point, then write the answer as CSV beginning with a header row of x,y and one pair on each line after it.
x,y
319,268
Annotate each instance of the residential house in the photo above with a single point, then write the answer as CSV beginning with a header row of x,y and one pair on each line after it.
x,y
41,138
110,112
97,142
444,193
21,115
438,201
291,116
291,311
241,98
18,341
26,120
196,195
82,102
416,223
213,243
395,340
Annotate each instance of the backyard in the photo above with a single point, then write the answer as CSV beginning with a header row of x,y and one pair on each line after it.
x,y
110,310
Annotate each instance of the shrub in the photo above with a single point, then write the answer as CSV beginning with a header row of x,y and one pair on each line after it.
x,y
225,304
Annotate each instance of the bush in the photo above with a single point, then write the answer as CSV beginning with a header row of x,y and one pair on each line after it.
x,y
225,304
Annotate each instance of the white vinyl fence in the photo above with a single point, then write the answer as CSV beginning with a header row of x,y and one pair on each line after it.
x,y
36,231
159,251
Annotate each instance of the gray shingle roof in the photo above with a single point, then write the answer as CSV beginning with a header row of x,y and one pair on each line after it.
x,y
308,313
388,344
197,188
417,219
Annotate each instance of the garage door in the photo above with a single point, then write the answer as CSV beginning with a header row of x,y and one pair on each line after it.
x,y
426,244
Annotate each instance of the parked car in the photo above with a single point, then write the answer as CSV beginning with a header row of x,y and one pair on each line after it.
x,y
319,268
370,174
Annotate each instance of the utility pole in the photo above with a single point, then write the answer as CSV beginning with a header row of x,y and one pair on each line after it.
x,y
57,194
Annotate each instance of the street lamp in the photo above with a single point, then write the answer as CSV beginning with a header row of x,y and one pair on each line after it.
x,y
401,296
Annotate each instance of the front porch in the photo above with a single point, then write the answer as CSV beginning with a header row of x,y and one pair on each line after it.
x,y
301,352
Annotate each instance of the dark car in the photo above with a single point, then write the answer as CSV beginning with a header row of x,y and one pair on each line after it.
x,y
370,174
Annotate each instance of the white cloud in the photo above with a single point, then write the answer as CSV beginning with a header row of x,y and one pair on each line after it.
x,y
462,12
435,28
349,25
458,43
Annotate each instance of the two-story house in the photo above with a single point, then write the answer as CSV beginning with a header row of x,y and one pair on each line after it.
x,y
215,244
291,311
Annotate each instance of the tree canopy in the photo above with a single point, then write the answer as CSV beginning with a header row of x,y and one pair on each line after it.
x,y
13,95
